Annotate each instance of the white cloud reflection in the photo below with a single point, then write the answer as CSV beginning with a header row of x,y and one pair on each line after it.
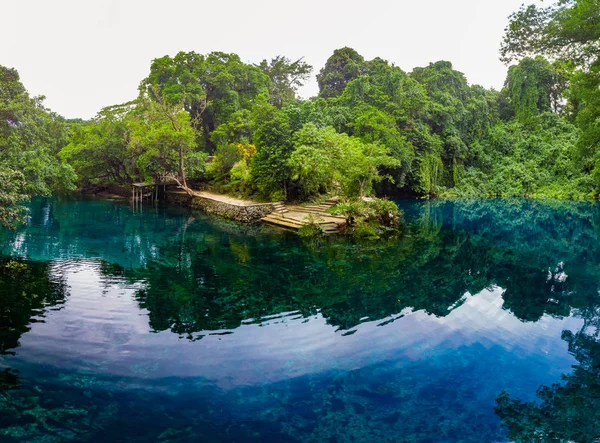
x,y
102,330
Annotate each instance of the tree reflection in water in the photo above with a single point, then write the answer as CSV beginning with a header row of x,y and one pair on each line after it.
x,y
565,411
212,278
193,274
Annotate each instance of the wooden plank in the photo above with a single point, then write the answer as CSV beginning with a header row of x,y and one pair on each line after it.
x,y
287,221
281,217
282,223
294,217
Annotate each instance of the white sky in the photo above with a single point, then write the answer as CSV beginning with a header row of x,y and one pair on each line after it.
x,y
83,55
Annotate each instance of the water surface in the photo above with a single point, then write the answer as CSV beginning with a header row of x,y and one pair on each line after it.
x,y
479,324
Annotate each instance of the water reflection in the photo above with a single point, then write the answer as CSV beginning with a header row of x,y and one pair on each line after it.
x,y
568,410
287,375
28,289
245,332
545,263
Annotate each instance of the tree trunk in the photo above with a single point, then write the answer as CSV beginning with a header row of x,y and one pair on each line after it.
x,y
182,168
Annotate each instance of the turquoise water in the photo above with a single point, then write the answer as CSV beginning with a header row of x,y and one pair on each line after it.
x,y
478,325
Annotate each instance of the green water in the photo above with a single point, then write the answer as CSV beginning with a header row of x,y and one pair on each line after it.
x,y
479,324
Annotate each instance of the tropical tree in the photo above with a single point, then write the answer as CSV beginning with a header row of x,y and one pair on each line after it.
x,y
210,88
286,77
99,151
166,130
324,160
30,138
269,168
567,31
12,197
343,66
533,86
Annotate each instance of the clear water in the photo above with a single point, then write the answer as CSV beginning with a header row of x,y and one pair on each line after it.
x,y
478,325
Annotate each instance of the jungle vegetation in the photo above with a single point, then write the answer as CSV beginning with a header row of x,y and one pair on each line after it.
x,y
372,129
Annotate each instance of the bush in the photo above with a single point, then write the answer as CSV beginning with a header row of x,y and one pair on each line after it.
x,y
369,218
312,229
226,156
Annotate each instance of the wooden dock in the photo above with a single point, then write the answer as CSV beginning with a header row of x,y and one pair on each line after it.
x,y
142,191
295,216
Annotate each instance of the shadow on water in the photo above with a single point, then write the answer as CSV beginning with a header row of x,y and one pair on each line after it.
x,y
197,276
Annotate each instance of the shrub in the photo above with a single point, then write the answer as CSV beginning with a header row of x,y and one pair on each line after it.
x,y
226,156
369,218
312,229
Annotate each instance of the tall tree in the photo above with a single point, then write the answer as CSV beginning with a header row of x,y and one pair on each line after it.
x,y
30,138
269,168
344,65
12,197
286,77
170,128
533,86
211,88
137,141
567,31
99,150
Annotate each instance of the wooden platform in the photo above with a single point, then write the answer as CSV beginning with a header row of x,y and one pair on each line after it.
x,y
229,200
295,216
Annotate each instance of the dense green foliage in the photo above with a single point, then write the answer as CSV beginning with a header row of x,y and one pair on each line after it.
x,y
370,218
568,31
30,138
373,129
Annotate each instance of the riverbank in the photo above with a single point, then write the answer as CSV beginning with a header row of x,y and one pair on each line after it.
x,y
278,214
245,211
364,218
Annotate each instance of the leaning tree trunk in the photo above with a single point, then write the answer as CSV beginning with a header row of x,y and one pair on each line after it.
x,y
182,168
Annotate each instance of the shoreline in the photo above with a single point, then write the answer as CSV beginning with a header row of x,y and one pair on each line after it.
x,y
245,211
